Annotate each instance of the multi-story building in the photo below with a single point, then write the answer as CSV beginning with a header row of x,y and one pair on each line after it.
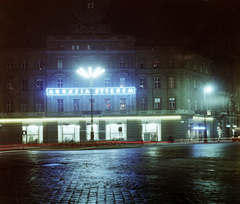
x,y
149,92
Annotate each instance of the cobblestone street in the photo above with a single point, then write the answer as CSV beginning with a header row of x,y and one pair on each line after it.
x,y
168,173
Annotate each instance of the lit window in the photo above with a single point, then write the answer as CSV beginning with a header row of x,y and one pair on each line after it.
x,y
39,65
39,84
60,105
24,85
156,63
172,103
60,83
77,47
142,82
24,64
170,64
90,5
107,82
122,103
73,47
62,47
9,106
157,104
107,104
143,104
89,47
171,84
75,104
59,64
194,83
9,85
93,104
122,82
156,83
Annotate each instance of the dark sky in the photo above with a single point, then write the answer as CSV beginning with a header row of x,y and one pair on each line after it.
x,y
197,24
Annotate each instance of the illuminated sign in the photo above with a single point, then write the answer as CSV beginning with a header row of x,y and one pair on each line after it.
x,y
199,128
95,91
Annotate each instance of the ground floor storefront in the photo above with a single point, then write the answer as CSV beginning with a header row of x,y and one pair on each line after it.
x,y
151,128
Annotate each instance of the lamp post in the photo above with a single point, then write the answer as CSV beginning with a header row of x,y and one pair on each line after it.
x,y
207,89
91,75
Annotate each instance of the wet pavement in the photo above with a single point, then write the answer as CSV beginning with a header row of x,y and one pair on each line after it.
x,y
168,173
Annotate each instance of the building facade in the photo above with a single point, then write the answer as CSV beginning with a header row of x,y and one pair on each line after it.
x,y
145,93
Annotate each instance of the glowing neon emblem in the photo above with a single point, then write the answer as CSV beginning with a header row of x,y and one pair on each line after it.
x,y
95,91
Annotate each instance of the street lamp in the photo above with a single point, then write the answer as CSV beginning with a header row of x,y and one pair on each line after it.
x,y
207,89
91,75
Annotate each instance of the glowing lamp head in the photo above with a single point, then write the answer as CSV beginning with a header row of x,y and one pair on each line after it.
x,y
208,89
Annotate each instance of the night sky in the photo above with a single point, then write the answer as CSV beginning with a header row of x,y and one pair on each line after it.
x,y
200,25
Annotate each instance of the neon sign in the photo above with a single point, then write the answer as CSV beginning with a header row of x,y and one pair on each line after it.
x,y
95,91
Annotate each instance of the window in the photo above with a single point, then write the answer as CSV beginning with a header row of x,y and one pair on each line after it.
x,y
39,65
170,64
24,105
107,82
194,84
195,67
60,83
188,64
172,103
188,83
143,104
121,63
201,68
24,85
201,105
9,85
195,105
90,5
122,82
171,84
9,64
73,47
107,104
75,104
156,63
77,47
62,47
141,64
106,63
9,106
206,71
75,64
75,83
39,105
24,64
157,104
142,82
93,103
59,64
122,103
156,83
60,105
39,84
89,47
189,104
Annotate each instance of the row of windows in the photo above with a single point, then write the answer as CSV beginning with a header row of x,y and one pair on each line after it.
x,y
24,84
90,47
24,64
24,105
121,64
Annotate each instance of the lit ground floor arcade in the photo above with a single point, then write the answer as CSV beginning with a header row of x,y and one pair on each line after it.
x,y
48,130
